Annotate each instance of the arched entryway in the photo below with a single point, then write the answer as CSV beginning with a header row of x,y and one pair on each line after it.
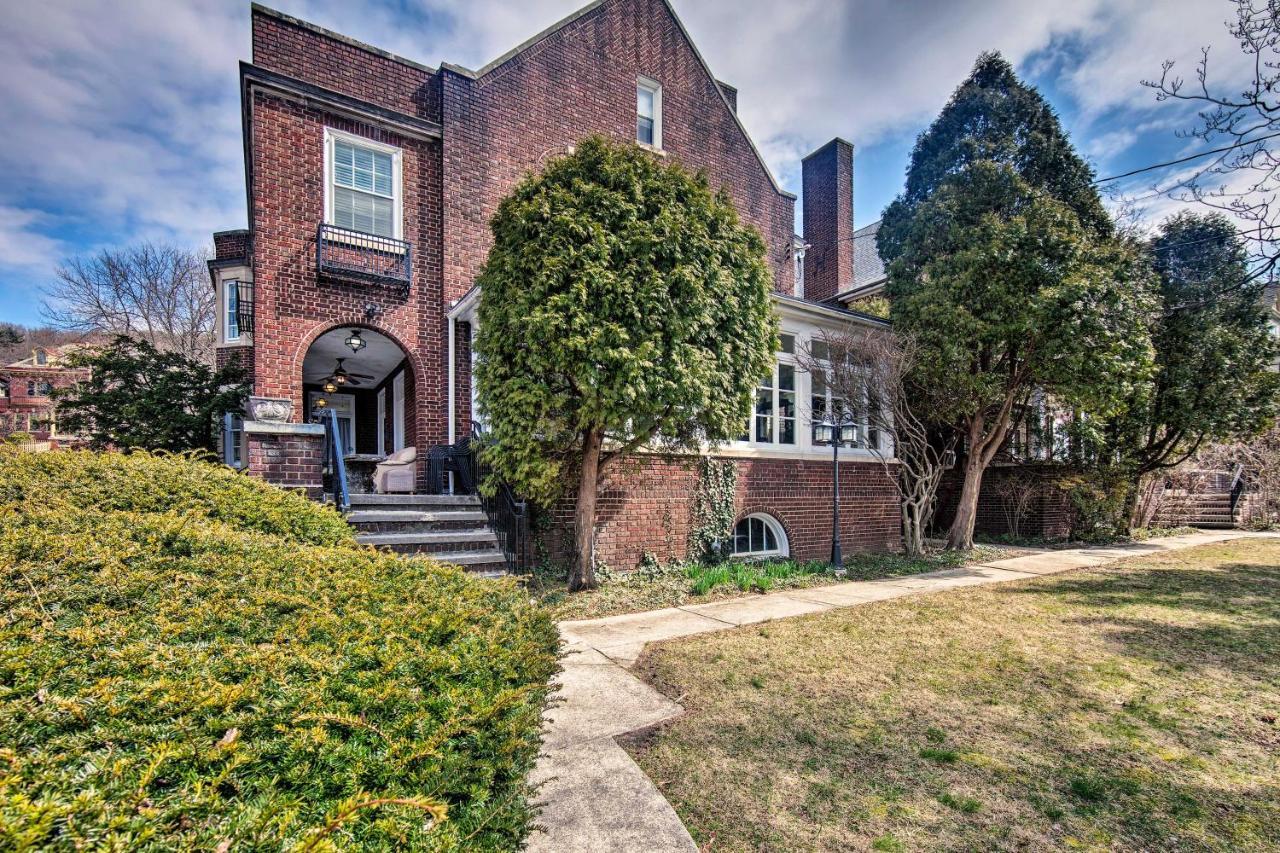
x,y
366,378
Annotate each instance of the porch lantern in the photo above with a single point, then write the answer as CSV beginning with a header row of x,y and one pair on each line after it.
x,y
330,387
837,429
354,341
320,402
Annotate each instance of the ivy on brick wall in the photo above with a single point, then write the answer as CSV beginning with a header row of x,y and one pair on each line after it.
x,y
713,508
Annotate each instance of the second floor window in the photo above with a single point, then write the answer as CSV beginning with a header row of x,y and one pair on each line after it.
x,y
364,185
648,112
232,291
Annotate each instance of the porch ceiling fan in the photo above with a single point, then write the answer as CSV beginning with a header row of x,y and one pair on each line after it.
x,y
342,376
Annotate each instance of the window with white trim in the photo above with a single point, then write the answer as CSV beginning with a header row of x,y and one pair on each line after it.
x,y
759,535
824,402
231,314
774,419
362,185
648,112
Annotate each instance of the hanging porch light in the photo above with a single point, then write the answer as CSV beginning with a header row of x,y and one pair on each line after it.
x,y
354,341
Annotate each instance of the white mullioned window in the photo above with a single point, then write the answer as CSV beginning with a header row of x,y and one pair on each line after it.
x,y
774,419
231,314
759,535
648,112
363,185
823,402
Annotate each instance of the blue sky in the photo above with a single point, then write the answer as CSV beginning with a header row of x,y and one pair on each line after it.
x,y
122,120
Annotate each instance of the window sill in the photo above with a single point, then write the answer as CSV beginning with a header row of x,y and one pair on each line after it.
x,y
652,149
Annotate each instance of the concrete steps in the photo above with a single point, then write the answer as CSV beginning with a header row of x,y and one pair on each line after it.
x,y
1210,510
450,528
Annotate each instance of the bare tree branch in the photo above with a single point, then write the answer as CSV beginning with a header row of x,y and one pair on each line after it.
x,y
157,292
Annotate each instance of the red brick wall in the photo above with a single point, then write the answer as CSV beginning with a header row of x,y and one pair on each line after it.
x,y
646,506
293,306
231,245
306,53
579,81
828,220
1049,514
290,461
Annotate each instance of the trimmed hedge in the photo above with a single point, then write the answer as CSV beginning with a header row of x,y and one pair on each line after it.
x,y
190,659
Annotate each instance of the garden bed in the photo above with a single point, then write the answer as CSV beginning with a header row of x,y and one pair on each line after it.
x,y
652,587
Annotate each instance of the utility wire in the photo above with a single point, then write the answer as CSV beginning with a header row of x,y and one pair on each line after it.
x,y
1185,159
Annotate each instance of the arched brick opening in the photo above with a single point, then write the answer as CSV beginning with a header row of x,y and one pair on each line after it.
x,y
374,368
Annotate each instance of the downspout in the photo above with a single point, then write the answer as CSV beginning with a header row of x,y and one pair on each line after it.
x,y
452,426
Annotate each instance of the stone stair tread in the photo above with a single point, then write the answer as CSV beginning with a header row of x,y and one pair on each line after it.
x,y
370,516
427,538
469,558
413,500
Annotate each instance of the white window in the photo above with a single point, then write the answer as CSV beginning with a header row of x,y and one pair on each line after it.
x,y
231,315
41,356
824,402
362,185
759,536
233,440
774,420
648,112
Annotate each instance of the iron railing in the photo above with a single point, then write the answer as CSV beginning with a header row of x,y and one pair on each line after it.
x,y
347,254
244,307
333,454
456,466
1237,489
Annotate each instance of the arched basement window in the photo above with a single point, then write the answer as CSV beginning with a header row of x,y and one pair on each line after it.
x,y
759,536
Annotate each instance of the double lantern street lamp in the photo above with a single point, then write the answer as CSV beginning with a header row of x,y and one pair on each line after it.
x,y
836,429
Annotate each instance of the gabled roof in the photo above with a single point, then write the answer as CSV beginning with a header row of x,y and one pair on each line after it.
x,y
588,9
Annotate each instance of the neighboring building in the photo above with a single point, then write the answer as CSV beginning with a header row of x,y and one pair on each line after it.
x,y
26,388
371,180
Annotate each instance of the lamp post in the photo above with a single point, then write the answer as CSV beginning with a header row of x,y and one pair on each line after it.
x,y
836,430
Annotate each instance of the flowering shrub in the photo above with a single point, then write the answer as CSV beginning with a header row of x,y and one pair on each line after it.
x,y
190,659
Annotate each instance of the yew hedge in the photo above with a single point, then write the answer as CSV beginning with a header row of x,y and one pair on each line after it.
x,y
190,659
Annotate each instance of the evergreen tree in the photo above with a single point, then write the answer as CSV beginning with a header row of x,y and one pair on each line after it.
x,y
1003,265
624,306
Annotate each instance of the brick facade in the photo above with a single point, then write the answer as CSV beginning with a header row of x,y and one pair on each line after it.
x,y
290,461
466,138
645,507
1047,514
24,405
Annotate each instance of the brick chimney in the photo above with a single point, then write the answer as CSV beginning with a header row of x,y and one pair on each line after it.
x,y
827,176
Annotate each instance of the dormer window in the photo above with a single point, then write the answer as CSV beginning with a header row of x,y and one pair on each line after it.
x,y
649,112
41,357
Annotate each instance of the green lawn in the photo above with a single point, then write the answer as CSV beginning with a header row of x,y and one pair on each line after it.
x,y
1129,707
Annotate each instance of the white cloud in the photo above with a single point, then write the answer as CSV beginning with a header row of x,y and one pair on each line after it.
x,y
122,119
22,244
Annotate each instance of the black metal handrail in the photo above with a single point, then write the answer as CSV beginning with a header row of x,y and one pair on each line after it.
x,y
508,516
1237,489
334,456
344,253
244,307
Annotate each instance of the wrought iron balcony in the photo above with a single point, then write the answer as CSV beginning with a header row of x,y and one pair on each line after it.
x,y
355,255
244,307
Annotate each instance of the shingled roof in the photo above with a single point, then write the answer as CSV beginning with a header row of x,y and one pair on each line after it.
x,y
868,268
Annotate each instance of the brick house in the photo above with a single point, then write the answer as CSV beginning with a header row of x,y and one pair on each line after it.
x,y
370,180
26,388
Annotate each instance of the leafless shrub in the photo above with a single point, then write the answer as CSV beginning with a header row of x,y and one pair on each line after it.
x,y
868,371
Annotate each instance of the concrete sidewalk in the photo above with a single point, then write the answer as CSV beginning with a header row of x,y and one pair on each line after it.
x,y
594,797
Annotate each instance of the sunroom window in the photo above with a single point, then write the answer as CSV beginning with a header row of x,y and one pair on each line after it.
x,y
759,536
774,421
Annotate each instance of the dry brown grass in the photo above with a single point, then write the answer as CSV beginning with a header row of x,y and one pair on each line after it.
x,y
1126,708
